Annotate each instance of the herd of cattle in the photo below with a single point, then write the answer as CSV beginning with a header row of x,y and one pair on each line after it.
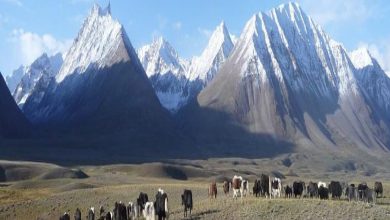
x,y
272,187
266,186
142,207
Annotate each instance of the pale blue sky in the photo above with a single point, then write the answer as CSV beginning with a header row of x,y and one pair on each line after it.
x,y
30,27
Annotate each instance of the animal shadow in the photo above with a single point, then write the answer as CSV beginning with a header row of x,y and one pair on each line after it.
x,y
199,215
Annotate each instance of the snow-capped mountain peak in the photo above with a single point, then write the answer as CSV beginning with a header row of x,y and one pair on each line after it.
x,y
160,58
99,11
98,29
217,50
166,71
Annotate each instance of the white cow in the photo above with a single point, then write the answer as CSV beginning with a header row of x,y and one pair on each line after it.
x,y
276,187
132,210
149,213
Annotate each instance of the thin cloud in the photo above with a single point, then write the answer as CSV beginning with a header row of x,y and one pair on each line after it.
x,y
381,52
162,22
31,45
15,2
336,11
177,25
205,32
3,20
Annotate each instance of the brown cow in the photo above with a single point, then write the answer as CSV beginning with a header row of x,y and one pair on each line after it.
x,y
213,190
226,187
236,186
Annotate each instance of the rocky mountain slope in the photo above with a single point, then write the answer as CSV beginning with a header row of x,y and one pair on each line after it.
x,y
287,80
13,124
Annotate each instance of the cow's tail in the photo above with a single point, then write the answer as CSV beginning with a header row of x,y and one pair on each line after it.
x,y
166,206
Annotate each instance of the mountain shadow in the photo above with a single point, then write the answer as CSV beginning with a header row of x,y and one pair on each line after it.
x,y
218,134
13,123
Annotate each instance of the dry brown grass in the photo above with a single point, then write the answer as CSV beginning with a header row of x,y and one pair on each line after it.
x,y
38,204
48,199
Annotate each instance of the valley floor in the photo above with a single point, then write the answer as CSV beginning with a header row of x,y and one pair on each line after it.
x,y
48,198
23,204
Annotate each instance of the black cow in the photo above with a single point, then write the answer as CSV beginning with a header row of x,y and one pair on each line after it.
x,y
91,214
101,211
378,188
335,189
323,192
120,211
369,196
257,188
115,211
361,189
288,191
108,216
298,188
312,190
65,216
351,192
186,201
264,183
142,200
160,204
77,214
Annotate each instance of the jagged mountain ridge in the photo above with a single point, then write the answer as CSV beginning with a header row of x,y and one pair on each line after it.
x,y
372,78
42,69
176,81
287,78
285,83
14,78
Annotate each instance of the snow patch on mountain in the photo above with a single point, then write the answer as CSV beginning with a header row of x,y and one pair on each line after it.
x,y
42,69
218,49
361,58
14,79
372,78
